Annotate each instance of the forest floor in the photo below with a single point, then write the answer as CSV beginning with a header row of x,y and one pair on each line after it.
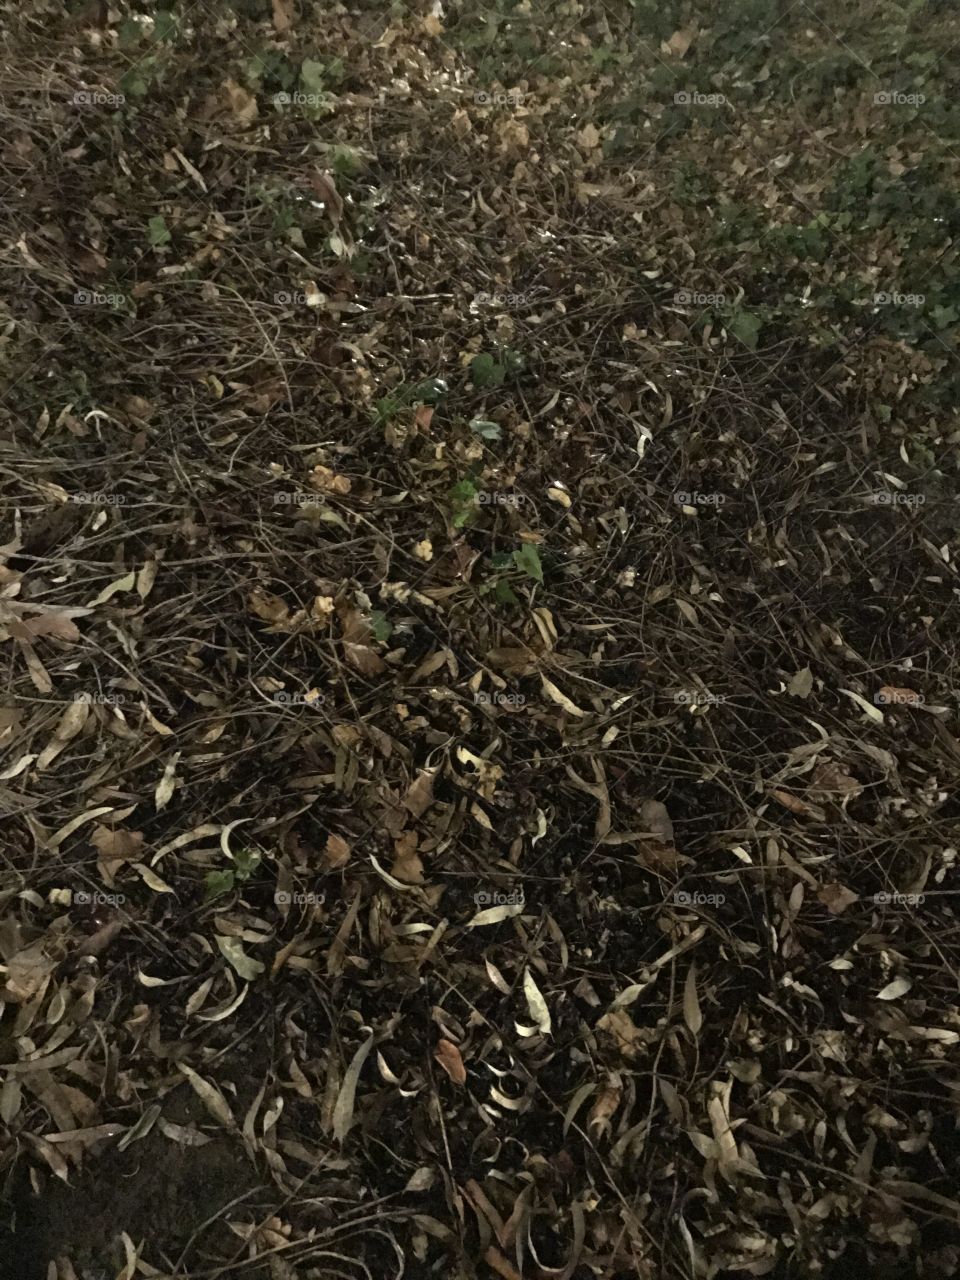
x,y
479,616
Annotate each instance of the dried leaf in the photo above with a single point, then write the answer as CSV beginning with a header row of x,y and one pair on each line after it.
x,y
692,1015
419,795
448,1055
166,785
343,1111
836,897
336,852
560,698
895,989
493,915
536,1003
126,583
245,965
655,820
283,16
71,723
798,806
210,1096
801,684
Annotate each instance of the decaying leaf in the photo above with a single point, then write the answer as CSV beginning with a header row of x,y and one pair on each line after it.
x,y
343,1111
536,1004
245,965
448,1056
836,897
71,723
559,697
336,851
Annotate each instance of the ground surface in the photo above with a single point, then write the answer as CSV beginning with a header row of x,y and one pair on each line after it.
x,y
479,616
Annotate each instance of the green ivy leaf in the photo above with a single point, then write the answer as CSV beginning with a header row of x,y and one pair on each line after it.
x,y
486,372
312,74
380,628
745,326
487,430
164,25
217,883
943,317
246,862
527,560
158,231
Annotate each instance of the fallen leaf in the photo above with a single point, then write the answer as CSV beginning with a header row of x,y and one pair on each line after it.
x,y
268,606
680,41
165,786
895,989
448,1055
327,481
233,952
536,1004
623,1031
71,723
836,897
493,915
325,189
692,1015
604,1108
239,102
419,795
655,820
801,684
283,16
589,137
210,1096
336,852
343,1111
798,806
560,698
364,659
126,583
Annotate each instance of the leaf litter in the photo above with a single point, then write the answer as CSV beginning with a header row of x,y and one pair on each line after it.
x,y
480,728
